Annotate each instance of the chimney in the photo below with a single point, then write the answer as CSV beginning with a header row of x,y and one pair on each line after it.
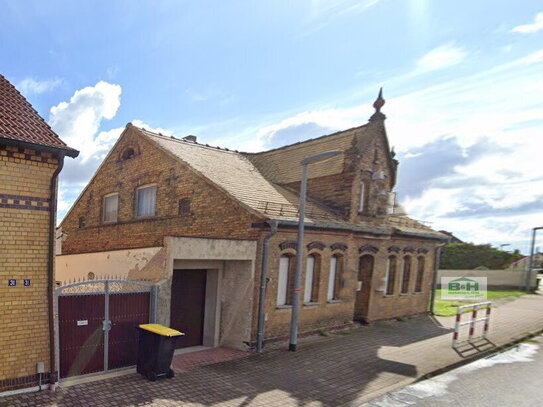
x,y
190,138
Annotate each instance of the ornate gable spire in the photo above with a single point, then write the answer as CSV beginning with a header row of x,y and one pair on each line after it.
x,y
378,104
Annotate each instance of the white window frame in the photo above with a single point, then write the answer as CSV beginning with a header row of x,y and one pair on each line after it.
x,y
146,215
362,192
104,212
332,279
309,277
282,280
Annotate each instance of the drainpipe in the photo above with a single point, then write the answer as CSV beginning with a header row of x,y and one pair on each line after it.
x,y
51,272
437,260
263,283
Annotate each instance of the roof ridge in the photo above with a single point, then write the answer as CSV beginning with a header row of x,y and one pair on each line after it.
x,y
308,140
188,143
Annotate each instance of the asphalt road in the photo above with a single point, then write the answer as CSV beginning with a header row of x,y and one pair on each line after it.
x,y
512,378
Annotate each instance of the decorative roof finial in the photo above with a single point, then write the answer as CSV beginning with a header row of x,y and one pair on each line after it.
x,y
378,104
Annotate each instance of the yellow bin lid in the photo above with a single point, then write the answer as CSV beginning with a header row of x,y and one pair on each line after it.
x,y
161,330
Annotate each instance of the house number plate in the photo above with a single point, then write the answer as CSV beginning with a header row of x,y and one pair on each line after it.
x,y
83,322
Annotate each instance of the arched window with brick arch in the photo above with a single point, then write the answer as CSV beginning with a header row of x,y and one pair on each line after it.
x,y
421,263
335,277
312,278
406,275
391,275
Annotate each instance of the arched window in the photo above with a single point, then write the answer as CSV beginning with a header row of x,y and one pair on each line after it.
x,y
334,277
420,274
312,278
128,154
406,276
285,280
391,275
362,197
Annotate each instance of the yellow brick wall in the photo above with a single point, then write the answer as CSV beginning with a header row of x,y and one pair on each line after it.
x,y
24,233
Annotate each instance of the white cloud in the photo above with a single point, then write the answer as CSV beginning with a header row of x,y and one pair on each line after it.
x,y
78,120
441,57
495,195
32,86
536,26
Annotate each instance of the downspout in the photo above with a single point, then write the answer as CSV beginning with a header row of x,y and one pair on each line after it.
x,y
263,283
437,261
51,272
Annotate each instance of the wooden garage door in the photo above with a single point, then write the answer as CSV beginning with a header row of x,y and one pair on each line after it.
x,y
188,305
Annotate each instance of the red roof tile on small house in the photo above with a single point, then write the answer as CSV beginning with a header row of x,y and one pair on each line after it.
x,y
19,122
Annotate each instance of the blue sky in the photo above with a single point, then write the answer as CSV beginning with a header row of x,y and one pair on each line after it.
x,y
463,82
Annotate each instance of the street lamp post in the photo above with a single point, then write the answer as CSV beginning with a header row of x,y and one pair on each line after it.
x,y
300,244
528,281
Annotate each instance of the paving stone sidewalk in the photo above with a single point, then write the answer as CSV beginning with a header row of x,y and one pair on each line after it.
x,y
342,369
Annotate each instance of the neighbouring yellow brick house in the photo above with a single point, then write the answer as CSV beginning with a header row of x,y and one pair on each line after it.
x,y
31,157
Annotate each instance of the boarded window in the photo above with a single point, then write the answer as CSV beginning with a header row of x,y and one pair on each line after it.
x,y
420,274
184,206
406,277
110,208
146,201
285,280
334,277
312,278
391,275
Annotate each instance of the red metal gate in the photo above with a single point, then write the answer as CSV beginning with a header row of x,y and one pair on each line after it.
x,y
97,321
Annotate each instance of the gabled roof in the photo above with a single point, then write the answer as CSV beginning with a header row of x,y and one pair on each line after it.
x,y
276,164
238,177
21,125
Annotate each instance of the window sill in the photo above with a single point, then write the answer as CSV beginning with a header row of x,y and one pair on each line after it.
x,y
404,294
418,292
283,306
311,304
333,301
388,295
109,222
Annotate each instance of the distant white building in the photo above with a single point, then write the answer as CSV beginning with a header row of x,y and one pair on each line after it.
x,y
522,264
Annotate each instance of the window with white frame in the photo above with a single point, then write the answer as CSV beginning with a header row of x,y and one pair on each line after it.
x,y
391,275
362,193
146,201
110,208
283,280
309,278
334,277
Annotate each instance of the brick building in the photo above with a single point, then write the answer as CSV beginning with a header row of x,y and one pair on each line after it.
x,y
196,218
31,157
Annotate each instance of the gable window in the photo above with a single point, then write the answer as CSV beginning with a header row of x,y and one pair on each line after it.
x,y
406,274
184,206
285,280
362,194
128,154
312,277
334,277
82,222
391,275
420,274
110,208
146,201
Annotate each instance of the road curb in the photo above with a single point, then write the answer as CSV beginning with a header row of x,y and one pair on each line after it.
x,y
406,382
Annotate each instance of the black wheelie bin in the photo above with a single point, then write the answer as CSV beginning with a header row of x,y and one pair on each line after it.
x,y
155,350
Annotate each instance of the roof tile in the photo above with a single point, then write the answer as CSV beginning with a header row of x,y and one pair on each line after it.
x,y
20,122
